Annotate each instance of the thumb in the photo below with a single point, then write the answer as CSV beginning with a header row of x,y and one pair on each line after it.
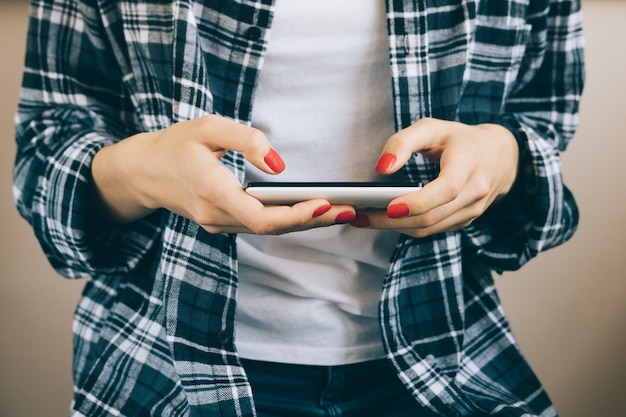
x,y
257,149
222,134
273,160
422,136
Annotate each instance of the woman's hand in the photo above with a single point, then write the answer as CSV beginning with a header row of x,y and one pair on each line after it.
x,y
178,168
478,165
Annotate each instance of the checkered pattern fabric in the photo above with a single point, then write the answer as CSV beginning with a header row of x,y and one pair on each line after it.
x,y
154,329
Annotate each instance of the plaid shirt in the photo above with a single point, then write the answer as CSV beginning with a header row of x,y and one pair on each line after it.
x,y
154,329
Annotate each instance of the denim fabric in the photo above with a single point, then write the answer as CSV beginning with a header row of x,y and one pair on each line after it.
x,y
369,389
100,71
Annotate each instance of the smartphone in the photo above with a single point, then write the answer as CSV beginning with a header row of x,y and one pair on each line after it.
x,y
370,195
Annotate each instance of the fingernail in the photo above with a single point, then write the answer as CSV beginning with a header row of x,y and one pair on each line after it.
x,y
385,162
345,217
397,210
361,221
274,161
321,210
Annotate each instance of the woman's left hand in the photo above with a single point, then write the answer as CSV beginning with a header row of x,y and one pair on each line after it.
x,y
478,164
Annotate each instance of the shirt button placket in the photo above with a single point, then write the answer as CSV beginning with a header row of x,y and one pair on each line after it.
x,y
222,337
253,33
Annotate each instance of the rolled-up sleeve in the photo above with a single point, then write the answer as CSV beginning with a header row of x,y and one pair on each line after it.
x,y
542,112
72,104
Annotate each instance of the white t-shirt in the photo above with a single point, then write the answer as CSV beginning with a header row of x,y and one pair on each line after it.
x,y
324,101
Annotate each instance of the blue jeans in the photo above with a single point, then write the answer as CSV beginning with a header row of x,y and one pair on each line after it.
x,y
369,389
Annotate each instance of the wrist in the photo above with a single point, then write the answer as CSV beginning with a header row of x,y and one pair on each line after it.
x,y
507,154
115,171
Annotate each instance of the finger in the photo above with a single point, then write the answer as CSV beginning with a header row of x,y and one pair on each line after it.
x,y
457,169
247,211
421,136
436,197
323,215
221,134
332,216
302,216
223,221
418,226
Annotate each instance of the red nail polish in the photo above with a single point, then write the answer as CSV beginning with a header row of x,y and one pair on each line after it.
x,y
274,161
345,217
385,162
321,210
361,221
397,210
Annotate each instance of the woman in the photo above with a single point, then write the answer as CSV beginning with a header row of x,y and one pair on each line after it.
x,y
139,122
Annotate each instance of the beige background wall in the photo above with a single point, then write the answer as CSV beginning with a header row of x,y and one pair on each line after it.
x,y
567,307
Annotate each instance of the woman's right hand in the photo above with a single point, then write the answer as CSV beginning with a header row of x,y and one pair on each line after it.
x,y
179,168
